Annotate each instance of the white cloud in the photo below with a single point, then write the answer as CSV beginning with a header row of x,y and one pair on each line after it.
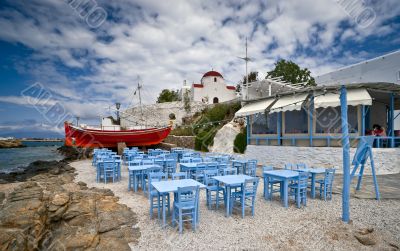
x,y
165,42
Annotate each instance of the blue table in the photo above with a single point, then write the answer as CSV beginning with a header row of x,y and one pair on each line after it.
x,y
171,186
186,167
136,169
282,175
314,172
229,182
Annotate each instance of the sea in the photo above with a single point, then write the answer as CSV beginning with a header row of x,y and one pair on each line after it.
x,y
12,158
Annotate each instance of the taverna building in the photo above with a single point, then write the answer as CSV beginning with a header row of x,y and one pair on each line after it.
x,y
311,116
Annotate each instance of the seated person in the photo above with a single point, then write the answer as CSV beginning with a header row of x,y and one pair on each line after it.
x,y
378,131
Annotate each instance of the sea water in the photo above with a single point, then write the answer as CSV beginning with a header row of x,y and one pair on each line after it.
x,y
11,158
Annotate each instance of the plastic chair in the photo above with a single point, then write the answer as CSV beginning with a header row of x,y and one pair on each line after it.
x,y
214,192
186,205
179,176
298,189
246,197
325,185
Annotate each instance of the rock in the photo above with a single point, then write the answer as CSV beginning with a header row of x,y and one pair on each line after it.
x,y
2,197
51,212
82,184
365,231
60,199
11,143
366,240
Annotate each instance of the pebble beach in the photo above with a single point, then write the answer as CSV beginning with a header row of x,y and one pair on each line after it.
x,y
374,225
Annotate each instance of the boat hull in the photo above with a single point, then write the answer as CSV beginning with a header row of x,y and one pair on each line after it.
x,y
80,137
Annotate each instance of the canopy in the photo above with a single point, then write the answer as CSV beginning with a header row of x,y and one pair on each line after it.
x,y
255,107
289,103
354,97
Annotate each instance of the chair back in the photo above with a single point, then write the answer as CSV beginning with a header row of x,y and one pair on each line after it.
x,y
179,176
302,180
197,160
208,180
251,168
329,176
267,168
135,162
156,176
301,166
188,196
249,187
186,160
290,166
148,162
108,165
212,166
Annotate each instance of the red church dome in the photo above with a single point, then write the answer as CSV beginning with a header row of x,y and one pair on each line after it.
x,y
212,74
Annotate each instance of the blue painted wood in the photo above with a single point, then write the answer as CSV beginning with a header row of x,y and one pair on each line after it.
x,y
346,156
311,116
279,127
363,120
283,176
248,129
391,111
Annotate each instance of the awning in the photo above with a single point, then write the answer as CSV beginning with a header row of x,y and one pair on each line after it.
x,y
255,107
289,103
354,97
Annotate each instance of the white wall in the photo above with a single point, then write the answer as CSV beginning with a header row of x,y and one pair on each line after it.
x,y
387,160
213,89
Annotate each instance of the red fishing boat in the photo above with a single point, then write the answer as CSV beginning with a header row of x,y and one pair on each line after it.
x,y
84,137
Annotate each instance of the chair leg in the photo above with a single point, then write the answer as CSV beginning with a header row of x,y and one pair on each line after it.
x,y
180,221
243,206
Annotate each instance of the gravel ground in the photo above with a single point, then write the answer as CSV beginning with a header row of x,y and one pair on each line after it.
x,y
315,227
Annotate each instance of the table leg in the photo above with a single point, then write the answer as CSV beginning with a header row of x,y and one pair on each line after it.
x,y
266,187
163,210
313,185
285,193
228,195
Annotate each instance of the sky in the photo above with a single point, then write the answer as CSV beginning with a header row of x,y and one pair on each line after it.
x,y
66,58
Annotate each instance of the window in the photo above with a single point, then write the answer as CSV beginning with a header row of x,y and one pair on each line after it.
x,y
328,120
264,124
215,79
296,121
215,100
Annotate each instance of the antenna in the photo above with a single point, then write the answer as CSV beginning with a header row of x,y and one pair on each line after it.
x,y
246,59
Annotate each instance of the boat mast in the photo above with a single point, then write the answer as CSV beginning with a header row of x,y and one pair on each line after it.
x,y
140,101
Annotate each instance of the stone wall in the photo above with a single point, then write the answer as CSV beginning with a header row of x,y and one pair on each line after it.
x,y
158,114
181,141
387,161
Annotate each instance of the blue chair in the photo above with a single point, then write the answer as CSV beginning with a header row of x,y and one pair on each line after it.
x,y
186,160
197,160
170,166
214,192
179,176
109,171
155,197
229,171
302,166
246,197
290,166
325,185
251,168
275,186
222,167
186,205
298,189
198,174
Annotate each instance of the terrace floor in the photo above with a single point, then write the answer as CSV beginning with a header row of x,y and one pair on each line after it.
x,y
315,227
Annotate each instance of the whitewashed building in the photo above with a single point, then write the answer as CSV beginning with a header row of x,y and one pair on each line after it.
x,y
212,89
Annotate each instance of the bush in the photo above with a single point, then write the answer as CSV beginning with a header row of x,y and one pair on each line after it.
x,y
182,131
240,143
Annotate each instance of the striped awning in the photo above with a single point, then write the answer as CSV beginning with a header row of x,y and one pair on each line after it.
x,y
289,103
255,107
354,97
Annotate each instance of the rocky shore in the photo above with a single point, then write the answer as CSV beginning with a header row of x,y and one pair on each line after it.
x,y
11,143
42,208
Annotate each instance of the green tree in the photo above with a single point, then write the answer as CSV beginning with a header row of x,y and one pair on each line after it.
x,y
168,96
292,73
252,76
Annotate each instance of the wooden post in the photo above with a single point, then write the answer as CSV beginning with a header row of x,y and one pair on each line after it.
x,y
346,156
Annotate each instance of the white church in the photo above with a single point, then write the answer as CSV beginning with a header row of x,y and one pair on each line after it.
x,y
212,89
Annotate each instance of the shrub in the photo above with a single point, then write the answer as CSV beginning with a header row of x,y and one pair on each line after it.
x,y
240,143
